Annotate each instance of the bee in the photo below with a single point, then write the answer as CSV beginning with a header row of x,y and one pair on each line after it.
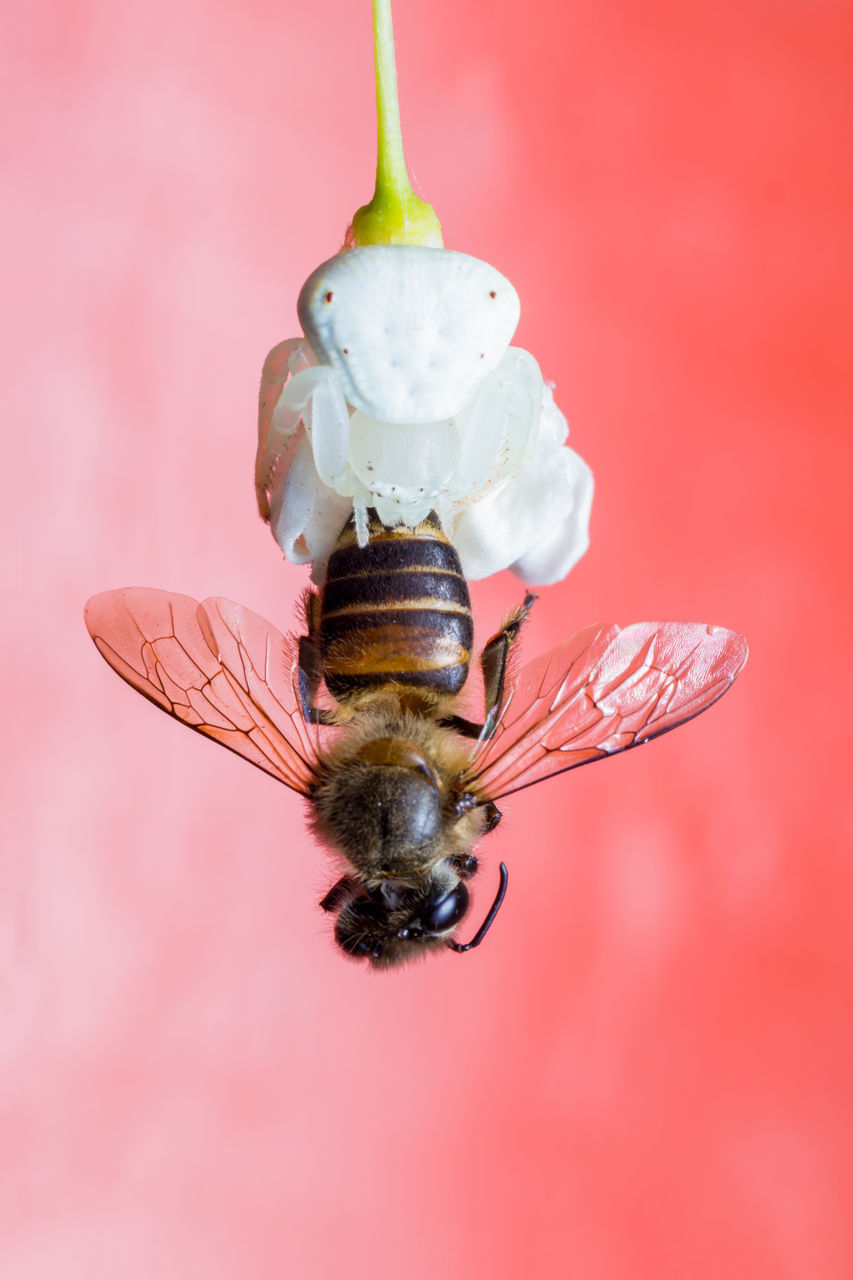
x,y
361,715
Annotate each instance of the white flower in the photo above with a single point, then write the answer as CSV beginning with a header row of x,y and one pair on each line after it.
x,y
405,396
537,522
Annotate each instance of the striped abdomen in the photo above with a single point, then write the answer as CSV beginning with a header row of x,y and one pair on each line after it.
x,y
395,612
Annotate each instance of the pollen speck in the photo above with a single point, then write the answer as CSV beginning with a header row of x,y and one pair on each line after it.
x,y
330,295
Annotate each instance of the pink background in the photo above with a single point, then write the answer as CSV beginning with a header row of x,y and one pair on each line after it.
x,y
647,1069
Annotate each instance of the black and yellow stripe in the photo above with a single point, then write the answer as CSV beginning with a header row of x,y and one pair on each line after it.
x,y
395,612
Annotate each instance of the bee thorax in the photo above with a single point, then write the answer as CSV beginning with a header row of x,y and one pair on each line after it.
x,y
383,809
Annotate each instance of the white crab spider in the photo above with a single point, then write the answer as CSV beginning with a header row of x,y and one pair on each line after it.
x,y
406,396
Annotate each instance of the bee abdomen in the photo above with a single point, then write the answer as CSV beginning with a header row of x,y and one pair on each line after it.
x,y
396,611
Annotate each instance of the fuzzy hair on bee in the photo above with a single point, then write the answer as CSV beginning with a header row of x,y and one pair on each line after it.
x,y
362,716
381,803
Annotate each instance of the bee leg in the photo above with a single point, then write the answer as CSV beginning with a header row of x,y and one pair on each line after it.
x,y
467,728
464,803
493,659
493,816
493,663
311,663
339,894
465,865
312,608
310,675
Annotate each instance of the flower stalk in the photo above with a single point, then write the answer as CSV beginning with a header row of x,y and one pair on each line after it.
x,y
395,215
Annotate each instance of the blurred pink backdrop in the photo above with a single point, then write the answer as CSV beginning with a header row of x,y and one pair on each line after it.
x,y
647,1069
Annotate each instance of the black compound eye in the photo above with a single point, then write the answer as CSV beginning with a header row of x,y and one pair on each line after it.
x,y
444,912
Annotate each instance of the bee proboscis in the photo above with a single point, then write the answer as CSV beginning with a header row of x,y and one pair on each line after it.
x,y
361,715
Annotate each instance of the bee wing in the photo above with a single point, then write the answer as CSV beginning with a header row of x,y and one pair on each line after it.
x,y
216,667
605,690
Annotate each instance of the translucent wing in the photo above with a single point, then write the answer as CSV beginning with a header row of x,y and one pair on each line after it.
x,y
604,691
215,666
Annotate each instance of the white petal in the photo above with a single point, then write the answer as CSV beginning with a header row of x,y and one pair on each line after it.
x,y
559,551
323,530
553,428
411,330
306,516
296,495
276,424
512,521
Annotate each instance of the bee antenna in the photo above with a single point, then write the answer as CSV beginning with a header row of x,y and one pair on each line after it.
x,y
489,920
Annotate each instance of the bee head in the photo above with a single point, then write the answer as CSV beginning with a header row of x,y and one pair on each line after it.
x,y
394,923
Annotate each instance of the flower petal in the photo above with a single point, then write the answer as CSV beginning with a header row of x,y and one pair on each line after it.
x,y
276,423
553,428
559,551
307,516
323,530
553,492
506,489
295,497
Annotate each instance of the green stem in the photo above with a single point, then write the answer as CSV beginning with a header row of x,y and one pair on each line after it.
x,y
395,215
391,171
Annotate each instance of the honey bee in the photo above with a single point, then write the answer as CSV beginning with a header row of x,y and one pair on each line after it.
x,y
361,715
